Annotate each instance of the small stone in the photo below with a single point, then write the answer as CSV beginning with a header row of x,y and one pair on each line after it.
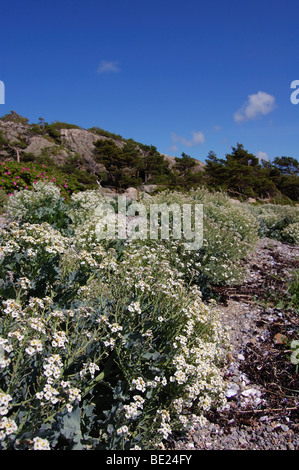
x,y
250,392
232,391
242,441
263,418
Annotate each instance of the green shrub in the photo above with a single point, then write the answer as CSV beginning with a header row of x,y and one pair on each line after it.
x,y
230,233
102,132
100,352
16,176
3,198
14,117
53,129
42,204
84,205
291,233
3,141
293,291
276,221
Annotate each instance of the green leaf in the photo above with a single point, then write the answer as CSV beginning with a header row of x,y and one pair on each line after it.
x,y
70,427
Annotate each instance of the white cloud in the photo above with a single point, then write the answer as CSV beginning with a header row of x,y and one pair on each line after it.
x,y
258,104
109,66
197,138
262,156
174,148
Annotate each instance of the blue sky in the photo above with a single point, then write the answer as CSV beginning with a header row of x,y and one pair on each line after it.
x,y
186,76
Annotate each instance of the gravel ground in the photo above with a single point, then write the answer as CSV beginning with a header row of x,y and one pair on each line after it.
x,y
263,388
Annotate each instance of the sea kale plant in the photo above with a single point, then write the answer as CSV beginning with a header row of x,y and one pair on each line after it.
x,y
43,203
277,221
102,346
114,344
230,233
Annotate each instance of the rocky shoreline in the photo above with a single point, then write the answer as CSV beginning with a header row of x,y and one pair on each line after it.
x,y
262,411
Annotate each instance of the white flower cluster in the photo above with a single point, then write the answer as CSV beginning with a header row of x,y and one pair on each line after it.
x,y
122,430
138,384
7,427
84,205
48,393
52,370
35,346
291,233
134,308
12,308
59,339
32,239
164,428
278,221
147,270
5,398
41,444
52,367
132,408
10,247
91,367
25,283
22,202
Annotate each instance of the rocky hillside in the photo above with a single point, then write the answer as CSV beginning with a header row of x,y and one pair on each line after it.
x,y
95,152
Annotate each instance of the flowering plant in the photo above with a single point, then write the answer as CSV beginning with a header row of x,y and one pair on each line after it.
x,y
15,176
100,349
44,203
278,221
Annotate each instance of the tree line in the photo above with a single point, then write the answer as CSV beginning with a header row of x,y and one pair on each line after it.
x,y
130,163
242,174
